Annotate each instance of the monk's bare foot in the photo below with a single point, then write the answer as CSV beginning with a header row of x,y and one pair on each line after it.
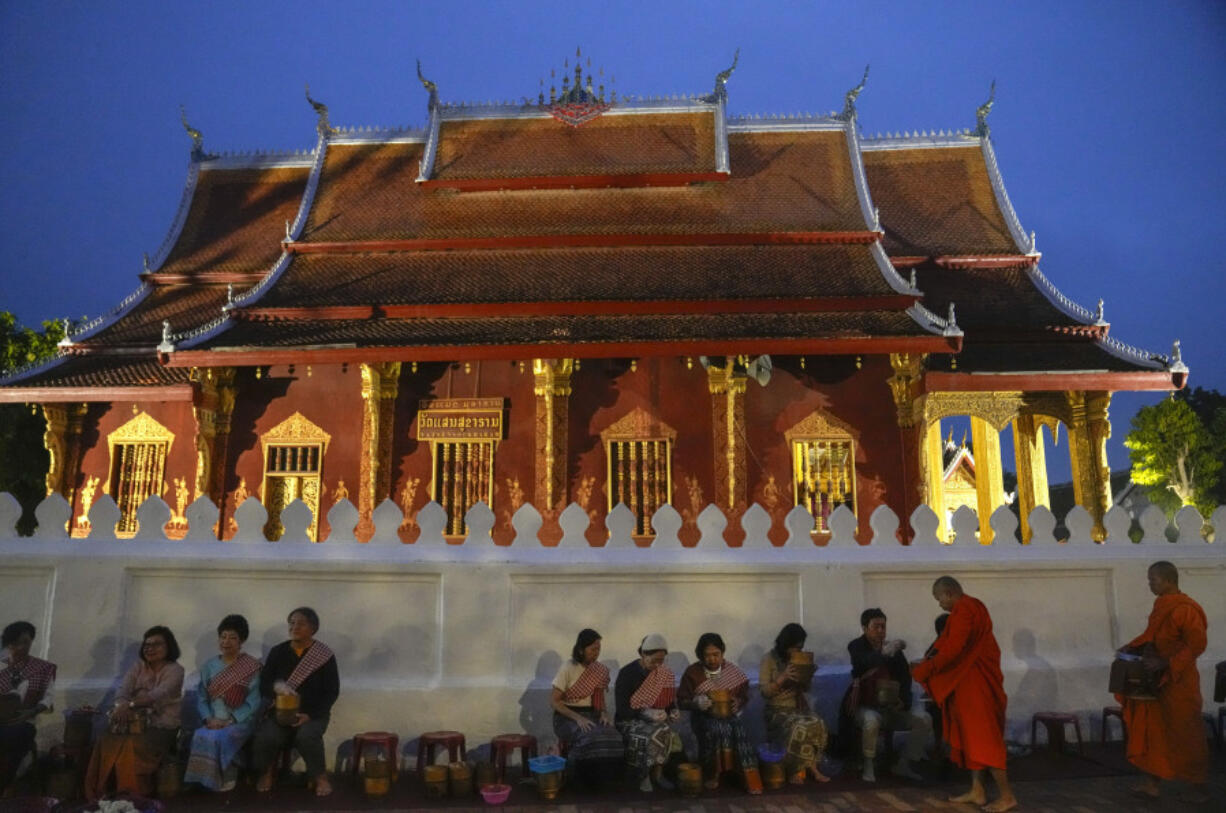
x,y
265,783
818,776
1000,805
971,797
322,786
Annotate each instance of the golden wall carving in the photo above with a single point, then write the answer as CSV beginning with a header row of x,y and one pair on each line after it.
x,y
278,491
638,424
552,389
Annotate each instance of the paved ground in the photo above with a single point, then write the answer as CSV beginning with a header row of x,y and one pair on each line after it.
x,y
1043,781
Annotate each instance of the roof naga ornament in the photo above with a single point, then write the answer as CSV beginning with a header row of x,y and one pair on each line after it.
x,y
1176,365
321,110
951,323
430,87
721,79
167,345
849,100
981,113
578,103
198,153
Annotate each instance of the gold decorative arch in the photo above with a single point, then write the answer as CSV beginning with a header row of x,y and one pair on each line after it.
x,y
138,451
284,483
639,464
638,424
823,452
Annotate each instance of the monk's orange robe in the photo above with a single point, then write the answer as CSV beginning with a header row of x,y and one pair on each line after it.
x,y
1166,737
963,676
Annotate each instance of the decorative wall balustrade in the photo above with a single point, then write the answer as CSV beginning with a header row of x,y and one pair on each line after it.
x,y
573,536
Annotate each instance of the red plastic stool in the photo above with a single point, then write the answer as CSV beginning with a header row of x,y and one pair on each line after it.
x,y
453,741
1054,722
1109,712
374,739
504,745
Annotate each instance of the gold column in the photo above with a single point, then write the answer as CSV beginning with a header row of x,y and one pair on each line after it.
x,y
551,386
56,416
905,386
213,407
934,473
380,384
989,480
1088,431
1031,459
727,388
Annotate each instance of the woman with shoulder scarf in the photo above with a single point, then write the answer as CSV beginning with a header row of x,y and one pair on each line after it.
x,y
646,705
26,682
581,721
144,724
789,722
227,700
305,669
722,742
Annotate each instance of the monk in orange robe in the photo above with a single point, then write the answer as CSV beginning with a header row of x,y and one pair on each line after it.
x,y
1166,737
962,674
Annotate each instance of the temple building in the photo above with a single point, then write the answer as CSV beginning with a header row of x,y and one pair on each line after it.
x,y
587,299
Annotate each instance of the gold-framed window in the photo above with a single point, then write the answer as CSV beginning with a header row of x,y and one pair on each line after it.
x,y
639,467
823,466
293,455
463,472
138,451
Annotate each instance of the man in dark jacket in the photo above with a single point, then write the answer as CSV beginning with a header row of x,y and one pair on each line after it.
x,y
876,666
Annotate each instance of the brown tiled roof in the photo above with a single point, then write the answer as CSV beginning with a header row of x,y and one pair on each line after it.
x,y
937,201
990,299
578,274
106,371
544,147
545,330
184,306
779,182
237,219
1070,355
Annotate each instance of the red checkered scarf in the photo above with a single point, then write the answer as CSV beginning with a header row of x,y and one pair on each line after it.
x,y
730,678
231,684
592,683
314,658
40,675
657,691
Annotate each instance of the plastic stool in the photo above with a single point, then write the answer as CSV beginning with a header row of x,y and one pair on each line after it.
x,y
504,745
373,739
1054,722
453,741
1109,712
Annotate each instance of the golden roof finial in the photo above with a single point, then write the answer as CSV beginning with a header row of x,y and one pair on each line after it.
x,y
197,137
963,438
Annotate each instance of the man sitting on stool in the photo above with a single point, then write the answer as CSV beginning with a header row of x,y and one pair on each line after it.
x,y
877,666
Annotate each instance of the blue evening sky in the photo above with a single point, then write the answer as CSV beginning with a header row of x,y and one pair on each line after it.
x,y
1108,122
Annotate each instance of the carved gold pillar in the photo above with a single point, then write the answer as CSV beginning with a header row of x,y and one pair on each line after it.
x,y
905,387
56,416
1088,431
989,480
380,384
551,386
1031,459
213,408
934,473
727,388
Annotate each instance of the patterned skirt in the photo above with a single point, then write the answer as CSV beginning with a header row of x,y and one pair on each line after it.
x,y
213,751
648,744
599,743
801,734
722,744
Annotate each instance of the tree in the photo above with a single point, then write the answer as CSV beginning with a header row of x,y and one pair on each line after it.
x,y
1173,452
23,460
1210,407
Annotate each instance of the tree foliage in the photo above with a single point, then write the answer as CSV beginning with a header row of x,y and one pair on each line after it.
x,y
23,460
1175,453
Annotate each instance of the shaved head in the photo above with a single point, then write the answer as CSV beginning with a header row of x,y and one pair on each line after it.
x,y
1166,571
947,584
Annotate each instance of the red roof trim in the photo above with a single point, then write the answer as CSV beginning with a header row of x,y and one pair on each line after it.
x,y
203,278
591,241
639,179
1006,261
576,308
1057,381
514,352
50,395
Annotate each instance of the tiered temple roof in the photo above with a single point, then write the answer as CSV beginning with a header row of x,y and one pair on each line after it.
x,y
500,231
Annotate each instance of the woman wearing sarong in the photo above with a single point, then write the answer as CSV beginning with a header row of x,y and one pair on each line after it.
x,y
144,724
304,667
581,721
227,701
29,680
722,742
646,704
789,722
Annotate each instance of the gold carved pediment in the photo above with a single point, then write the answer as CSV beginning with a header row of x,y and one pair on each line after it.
x,y
819,424
141,429
638,424
296,430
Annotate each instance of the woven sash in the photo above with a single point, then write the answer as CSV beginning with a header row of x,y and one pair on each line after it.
x,y
656,692
38,673
231,684
730,678
592,683
314,658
